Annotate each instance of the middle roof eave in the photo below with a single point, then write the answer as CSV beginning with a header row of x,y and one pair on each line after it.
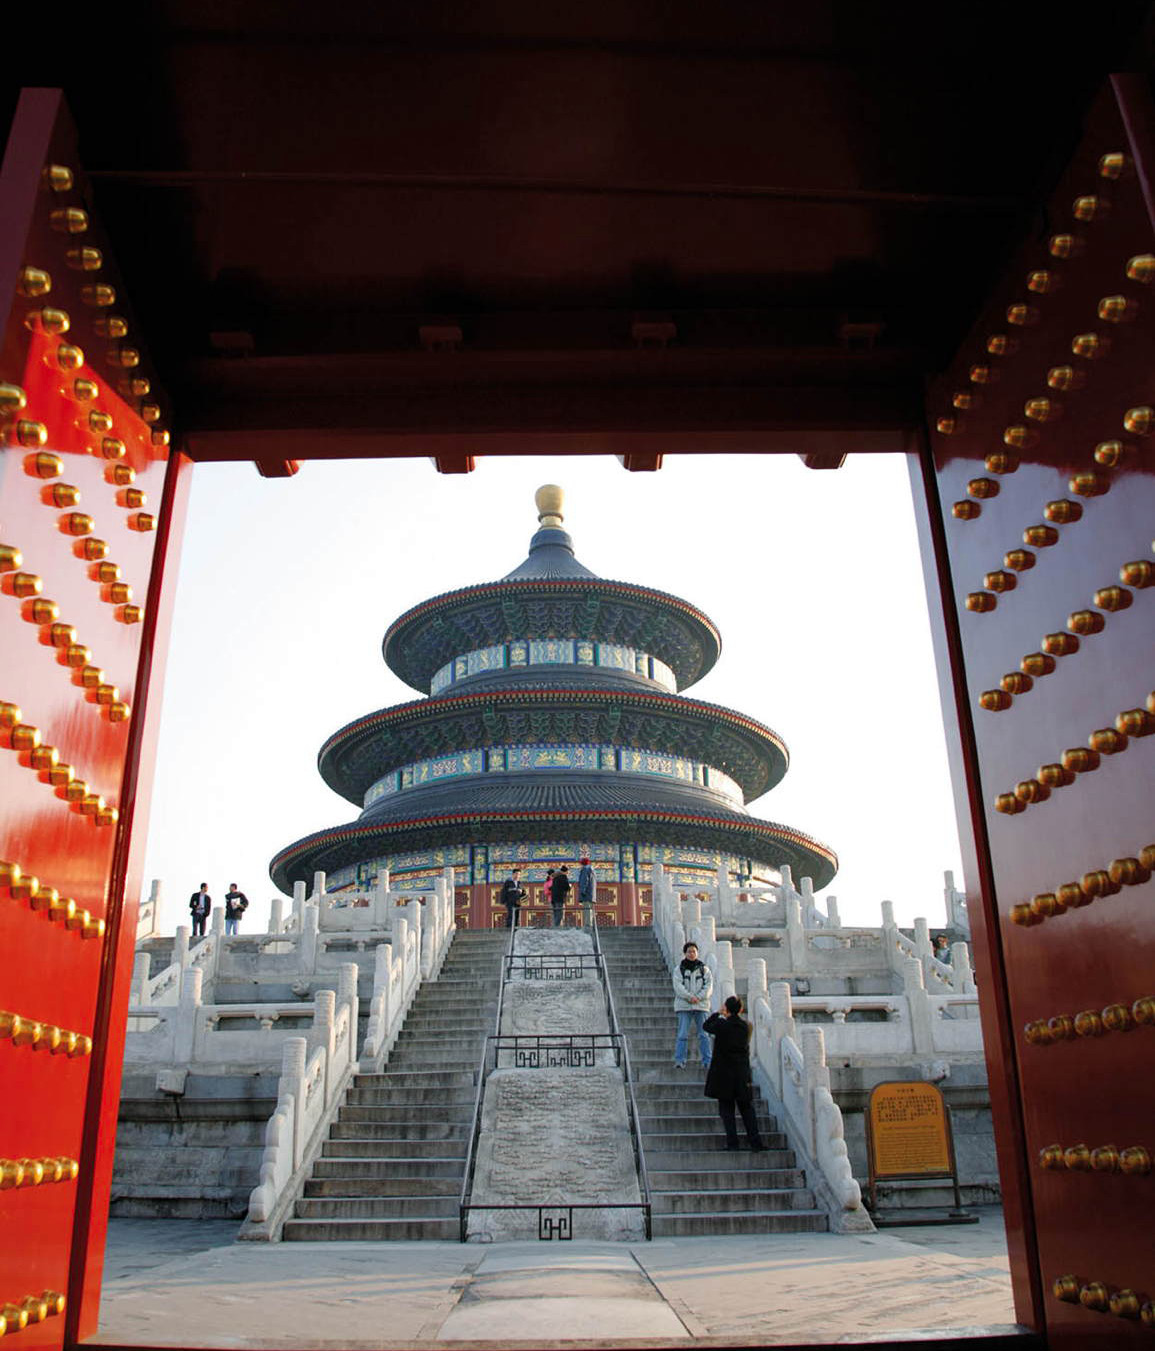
x,y
359,754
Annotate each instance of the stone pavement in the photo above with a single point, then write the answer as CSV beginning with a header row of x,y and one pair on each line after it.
x,y
187,1283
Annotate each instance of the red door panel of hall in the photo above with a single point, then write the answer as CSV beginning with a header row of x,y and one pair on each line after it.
x,y
87,497
1042,438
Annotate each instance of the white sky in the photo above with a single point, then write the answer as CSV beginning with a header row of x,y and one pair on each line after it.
x,y
813,578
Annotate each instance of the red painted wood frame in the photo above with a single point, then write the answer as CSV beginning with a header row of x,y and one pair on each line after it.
x,y
91,502
1034,496
1041,512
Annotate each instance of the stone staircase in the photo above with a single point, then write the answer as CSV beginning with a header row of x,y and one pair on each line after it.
x,y
193,1157
393,1164
697,1186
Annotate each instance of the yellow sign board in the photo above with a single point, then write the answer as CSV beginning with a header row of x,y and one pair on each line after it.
x,y
908,1131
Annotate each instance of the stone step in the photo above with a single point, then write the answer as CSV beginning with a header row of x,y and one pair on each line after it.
x,y
379,1208
694,1123
417,1185
395,1141
446,1046
142,1167
717,1200
370,1147
724,1179
418,1058
739,1222
698,1139
452,1100
362,1127
419,1114
416,1079
693,1109
716,1156
196,1202
355,1171
371,1231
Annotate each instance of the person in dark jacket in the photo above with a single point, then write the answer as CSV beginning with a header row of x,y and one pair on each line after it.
x,y
200,904
586,887
693,987
512,895
728,1080
559,894
236,903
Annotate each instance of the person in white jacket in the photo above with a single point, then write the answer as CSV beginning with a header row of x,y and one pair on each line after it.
x,y
693,986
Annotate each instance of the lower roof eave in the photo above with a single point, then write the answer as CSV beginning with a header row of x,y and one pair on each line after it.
x,y
764,841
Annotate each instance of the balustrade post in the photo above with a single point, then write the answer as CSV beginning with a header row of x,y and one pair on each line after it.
x,y
299,903
956,905
809,909
155,898
324,1019
310,922
726,895
815,1075
781,1026
921,1023
799,953
276,914
180,946
293,1082
832,916
318,896
786,881
348,996
380,906
187,1013
141,965
426,954
401,948
217,926
961,977
381,1007
890,951
724,984
755,982
923,946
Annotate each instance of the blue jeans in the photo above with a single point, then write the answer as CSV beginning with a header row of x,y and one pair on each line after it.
x,y
688,1018
231,925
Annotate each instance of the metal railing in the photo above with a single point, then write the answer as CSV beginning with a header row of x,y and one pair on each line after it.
x,y
552,966
628,1078
483,1074
555,1051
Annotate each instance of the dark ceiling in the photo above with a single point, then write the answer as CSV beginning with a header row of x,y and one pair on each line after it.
x,y
418,228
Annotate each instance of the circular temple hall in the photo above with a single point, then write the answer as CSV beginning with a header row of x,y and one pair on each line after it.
x,y
552,726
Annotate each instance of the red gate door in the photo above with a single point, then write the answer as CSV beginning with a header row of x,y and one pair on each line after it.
x,y
1043,502
88,500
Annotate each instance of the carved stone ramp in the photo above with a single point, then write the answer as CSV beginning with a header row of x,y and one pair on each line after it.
x,y
697,1186
392,1165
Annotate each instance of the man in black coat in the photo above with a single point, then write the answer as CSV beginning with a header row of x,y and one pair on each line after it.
x,y
512,895
728,1079
560,894
200,903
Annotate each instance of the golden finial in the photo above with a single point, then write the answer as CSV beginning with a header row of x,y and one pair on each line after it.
x,y
549,500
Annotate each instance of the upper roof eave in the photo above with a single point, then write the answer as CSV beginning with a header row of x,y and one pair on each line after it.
x,y
399,647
